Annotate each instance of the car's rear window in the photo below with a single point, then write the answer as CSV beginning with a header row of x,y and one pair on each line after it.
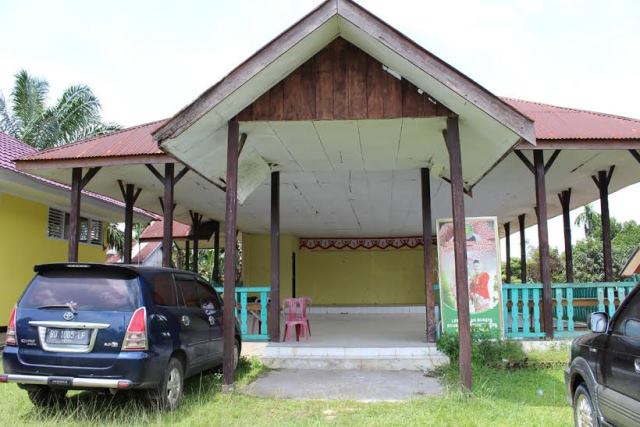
x,y
83,290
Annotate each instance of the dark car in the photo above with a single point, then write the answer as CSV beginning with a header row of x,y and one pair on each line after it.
x,y
113,327
603,377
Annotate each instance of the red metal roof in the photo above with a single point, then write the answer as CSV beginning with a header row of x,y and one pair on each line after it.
x,y
11,148
554,123
154,231
133,141
551,123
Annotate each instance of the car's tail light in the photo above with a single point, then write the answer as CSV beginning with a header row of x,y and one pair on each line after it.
x,y
135,339
11,329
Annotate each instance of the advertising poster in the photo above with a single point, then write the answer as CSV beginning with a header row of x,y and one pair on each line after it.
x,y
484,270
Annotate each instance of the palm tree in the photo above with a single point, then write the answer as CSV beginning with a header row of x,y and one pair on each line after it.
x,y
589,219
115,238
75,116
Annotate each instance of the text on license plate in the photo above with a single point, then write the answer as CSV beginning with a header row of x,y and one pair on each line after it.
x,y
67,336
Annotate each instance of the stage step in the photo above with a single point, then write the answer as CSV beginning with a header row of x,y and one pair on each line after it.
x,y
282,356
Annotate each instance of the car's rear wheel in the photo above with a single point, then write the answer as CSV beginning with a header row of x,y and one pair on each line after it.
x,y
169,393
236,354
45,397
584,413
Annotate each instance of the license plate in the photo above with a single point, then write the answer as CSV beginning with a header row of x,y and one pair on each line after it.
x,y
60,381
67,336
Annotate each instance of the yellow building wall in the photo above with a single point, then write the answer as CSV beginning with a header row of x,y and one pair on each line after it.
x,y
361,276
256,261
338,277
24,243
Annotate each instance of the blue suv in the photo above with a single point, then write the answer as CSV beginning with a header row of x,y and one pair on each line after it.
x,y
113,327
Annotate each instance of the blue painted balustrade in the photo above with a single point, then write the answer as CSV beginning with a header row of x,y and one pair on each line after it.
x,y
572,303
251,311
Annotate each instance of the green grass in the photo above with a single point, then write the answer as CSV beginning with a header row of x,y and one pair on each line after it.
x,y
525,397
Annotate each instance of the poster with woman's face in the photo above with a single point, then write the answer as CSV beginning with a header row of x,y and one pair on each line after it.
x,y
484,275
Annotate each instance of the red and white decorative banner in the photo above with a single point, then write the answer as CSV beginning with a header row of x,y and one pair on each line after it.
x,y
361,243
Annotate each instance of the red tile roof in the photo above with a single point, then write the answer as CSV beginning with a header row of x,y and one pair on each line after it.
x,y
11,148
553,123
133,141
154,231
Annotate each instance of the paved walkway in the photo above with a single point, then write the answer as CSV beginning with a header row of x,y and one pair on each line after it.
x,y
362,386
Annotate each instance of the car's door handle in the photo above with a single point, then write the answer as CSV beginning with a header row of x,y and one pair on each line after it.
x,y
637,366
185,320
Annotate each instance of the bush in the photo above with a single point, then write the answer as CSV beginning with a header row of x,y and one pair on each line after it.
x,y
487,348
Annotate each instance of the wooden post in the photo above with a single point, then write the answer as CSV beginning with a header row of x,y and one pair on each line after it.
x,y
167,234
427,250
216,254
196,219
78,182
543,242
602,181
128,223
274,308
74,214
187,254
523,249
129,195
460,251
507,238
229,318
565,201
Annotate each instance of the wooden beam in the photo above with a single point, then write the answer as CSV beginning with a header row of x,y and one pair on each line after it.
x,y
155,173
581,144
460,250
524,160
167,232
523,249
180,174
602,181
635,155
543,240
507,238
427,251
565,202
274,308
88,177
229,319
243,140
551,160
74,213
92,162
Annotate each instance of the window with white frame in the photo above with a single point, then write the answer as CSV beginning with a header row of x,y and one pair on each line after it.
x,y
91,230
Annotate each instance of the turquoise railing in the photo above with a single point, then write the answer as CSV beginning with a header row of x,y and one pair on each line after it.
x,y
572,303
251,311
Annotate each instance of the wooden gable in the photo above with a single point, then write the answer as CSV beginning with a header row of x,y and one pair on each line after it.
x,y
342,82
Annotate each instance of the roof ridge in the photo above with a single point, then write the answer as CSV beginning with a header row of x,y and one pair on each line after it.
x,y
578,110
82,141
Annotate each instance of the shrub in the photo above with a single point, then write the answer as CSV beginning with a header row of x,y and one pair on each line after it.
x,y
487,348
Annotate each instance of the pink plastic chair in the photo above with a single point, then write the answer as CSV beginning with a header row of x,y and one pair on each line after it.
x,y
296,319
305,303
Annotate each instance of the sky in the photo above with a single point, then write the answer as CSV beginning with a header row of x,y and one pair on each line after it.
x,y
147,59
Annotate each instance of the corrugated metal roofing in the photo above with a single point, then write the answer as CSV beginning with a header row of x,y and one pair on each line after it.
x,y
133,141
155,230
551,123
554,123
11,148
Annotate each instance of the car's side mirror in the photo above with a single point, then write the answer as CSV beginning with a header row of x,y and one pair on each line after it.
x,y
598,322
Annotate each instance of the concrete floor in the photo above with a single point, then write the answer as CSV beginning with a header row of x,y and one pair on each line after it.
x,y
364,330
357,385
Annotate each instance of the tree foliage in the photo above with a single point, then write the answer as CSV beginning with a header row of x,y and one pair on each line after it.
x,y
74,116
